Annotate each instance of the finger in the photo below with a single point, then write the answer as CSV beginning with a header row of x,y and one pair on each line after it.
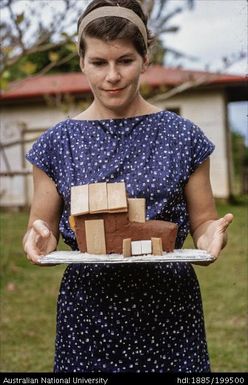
x,y
228,218
31,247
30,238
225,221
31,244
215,250
203,263
41,228
32,253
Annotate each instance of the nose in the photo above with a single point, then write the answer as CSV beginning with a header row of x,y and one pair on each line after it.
x,y
113,76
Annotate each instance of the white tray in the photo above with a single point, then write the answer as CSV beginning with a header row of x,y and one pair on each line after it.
x,y
180,255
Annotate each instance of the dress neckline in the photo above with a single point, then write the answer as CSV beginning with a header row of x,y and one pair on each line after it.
x,y
116,120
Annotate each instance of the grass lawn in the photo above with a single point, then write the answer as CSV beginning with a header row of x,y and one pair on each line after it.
x,y
29,294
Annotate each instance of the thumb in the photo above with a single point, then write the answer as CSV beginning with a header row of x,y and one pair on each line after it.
x,y
228,218
41,228
226,221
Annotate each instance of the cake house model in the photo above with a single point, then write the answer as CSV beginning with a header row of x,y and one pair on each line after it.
x,y
106,221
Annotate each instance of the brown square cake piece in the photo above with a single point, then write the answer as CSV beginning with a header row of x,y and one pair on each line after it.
x,y
80,200
117,199
137,209
126,247
95,236
157,248
98,199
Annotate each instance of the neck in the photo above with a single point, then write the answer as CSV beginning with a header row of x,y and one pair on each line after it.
x,y
136,108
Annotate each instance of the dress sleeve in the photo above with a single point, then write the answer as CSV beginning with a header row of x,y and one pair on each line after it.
x,y
201,148
40,154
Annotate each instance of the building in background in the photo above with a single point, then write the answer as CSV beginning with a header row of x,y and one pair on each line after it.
x,y
31,106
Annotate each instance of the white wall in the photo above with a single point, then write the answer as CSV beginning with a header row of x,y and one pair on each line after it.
x,y
206,109
17,191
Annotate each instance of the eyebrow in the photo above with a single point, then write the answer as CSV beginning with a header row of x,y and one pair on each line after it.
x,y
119,58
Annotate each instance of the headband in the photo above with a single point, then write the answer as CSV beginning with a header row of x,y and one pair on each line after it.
x,y
115,11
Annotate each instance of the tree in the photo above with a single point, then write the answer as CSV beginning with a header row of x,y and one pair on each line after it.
x,y
34,42
34,33
161,13
39,36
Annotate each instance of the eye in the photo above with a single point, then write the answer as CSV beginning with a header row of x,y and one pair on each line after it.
x,y
98,63
126,61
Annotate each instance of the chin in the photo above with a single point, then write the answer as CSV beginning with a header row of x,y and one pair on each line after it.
x,y
116,106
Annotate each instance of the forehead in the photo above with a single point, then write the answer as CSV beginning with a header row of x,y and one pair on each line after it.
x,y
100,48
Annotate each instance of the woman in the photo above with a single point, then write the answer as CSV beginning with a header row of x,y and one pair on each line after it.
x,y
131,317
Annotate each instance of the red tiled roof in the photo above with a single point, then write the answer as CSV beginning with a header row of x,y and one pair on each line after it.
x,y
76,83
68,83
158,76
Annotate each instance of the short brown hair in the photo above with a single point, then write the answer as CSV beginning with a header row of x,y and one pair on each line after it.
x,y
112,28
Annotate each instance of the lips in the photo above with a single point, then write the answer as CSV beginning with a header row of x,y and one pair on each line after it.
x,y
115,90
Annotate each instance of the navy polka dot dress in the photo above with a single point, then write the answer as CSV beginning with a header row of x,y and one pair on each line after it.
x,y
143,318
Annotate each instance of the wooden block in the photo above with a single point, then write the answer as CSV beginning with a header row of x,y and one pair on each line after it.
x,y
117,198
126,247
137,210
98,201
72,222
157,246
136,248
79,200
95,236
146,247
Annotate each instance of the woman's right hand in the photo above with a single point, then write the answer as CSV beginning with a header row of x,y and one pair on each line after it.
x,y
39,241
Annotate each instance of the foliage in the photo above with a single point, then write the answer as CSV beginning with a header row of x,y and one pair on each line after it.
x,y
33,43
240,160
40,62
27,29
161,13
29,300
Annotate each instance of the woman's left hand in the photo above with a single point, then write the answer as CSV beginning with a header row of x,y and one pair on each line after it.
x,y
214,237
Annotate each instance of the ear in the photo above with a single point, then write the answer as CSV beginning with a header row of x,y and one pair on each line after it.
x,y
82,64
145,63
